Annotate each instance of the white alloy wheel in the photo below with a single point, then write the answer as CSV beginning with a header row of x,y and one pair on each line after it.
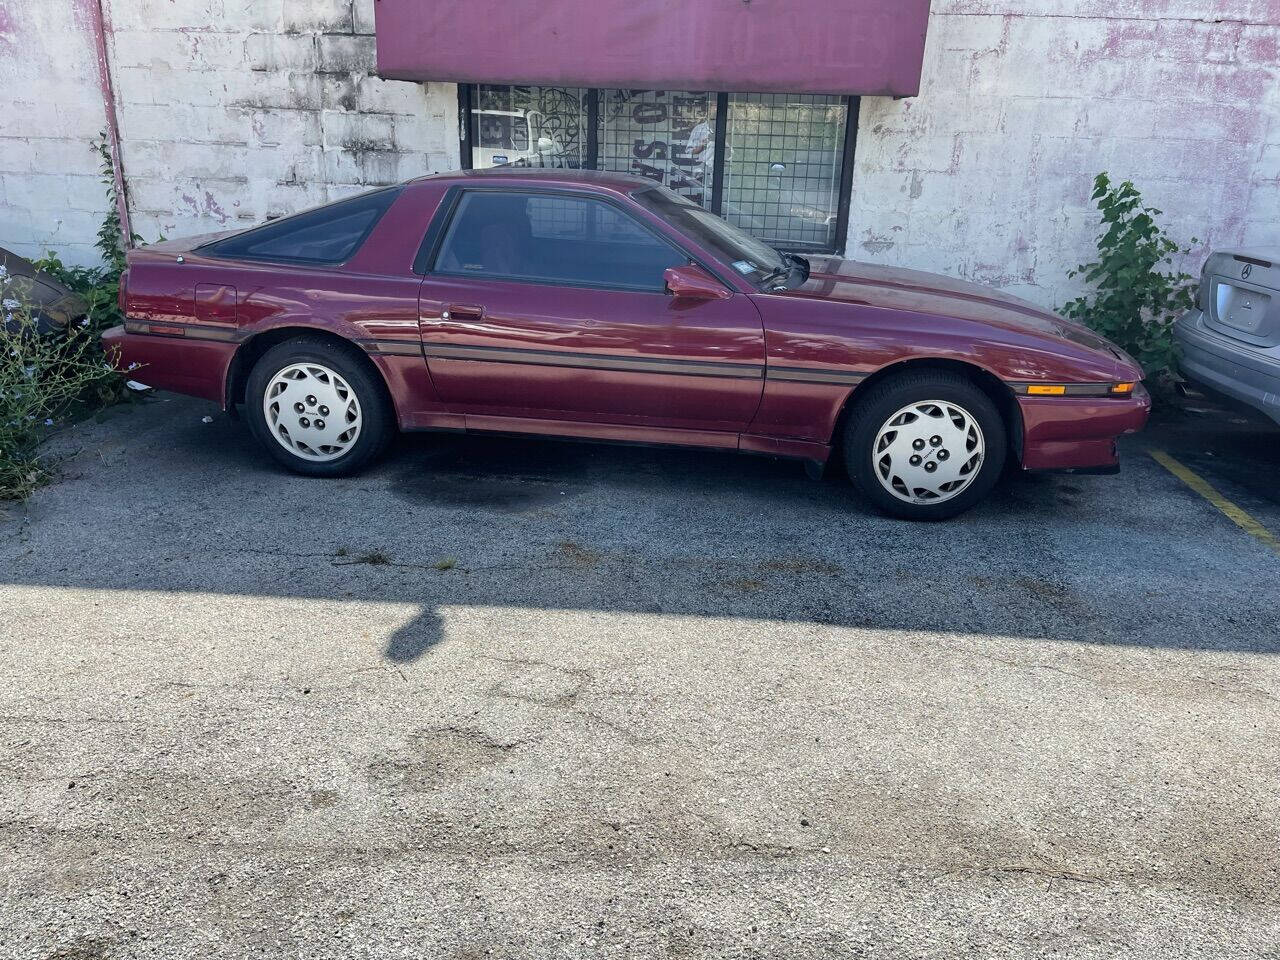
x,y
928,452
311,411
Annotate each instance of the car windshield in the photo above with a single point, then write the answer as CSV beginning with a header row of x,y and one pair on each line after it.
x,y
752,258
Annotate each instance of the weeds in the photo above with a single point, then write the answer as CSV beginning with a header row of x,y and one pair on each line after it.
x,y
41,377
46,377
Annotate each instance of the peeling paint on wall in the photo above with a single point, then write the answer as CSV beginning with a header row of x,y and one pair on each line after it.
x,y
229,113
8,28
988,173
232,111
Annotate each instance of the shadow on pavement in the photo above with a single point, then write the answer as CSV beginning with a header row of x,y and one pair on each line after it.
x,y
157,500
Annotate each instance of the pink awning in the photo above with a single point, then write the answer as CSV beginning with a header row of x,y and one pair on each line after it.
x,y
765,46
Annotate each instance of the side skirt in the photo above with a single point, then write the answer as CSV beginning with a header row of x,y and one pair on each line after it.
x,y
789,448
1105,471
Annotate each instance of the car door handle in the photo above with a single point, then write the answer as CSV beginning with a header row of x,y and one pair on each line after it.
x,y
462,311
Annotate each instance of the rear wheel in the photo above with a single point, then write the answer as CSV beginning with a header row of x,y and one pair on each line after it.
x,y
317,409
925,446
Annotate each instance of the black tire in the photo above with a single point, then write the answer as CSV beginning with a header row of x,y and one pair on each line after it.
x,y
873,411
377,419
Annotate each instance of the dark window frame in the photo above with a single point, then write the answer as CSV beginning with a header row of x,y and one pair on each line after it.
x,y
467,99
426,262
212,249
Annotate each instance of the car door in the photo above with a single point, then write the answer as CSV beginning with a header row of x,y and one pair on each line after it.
x,y
551,305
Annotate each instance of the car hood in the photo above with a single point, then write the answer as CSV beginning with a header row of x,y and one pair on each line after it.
x,y
916,291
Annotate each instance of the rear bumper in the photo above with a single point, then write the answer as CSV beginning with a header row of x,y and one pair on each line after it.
x,y
1243,372
197,368
1061,433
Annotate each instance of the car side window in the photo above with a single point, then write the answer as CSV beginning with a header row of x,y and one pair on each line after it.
x,y
552,238
327,235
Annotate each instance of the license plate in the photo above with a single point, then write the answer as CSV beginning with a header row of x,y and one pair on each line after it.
x,y
1242,309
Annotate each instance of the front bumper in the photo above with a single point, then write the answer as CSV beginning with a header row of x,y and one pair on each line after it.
x,y
1243,372
197,368
1062,433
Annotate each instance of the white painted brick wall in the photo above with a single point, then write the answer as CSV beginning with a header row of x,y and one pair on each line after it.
x,y
52,108
241,110
229,110
987,174
235,110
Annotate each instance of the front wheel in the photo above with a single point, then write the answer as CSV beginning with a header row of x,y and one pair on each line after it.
x,y
925,446
317,409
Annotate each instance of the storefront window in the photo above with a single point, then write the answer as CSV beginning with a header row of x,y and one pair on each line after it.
x,y
542,126
782,167
775,165
665,135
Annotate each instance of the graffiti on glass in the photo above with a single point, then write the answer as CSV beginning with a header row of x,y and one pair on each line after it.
x,y
667,136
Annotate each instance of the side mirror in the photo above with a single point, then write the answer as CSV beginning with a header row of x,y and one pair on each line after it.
x,y
694,283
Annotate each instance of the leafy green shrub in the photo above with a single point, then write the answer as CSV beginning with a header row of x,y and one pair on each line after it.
x,y
41,376
1135,301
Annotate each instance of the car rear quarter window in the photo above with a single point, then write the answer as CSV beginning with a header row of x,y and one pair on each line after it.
x,y
553,238
327,235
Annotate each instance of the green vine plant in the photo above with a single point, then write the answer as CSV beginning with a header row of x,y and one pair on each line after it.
x,y
1136,296
99,286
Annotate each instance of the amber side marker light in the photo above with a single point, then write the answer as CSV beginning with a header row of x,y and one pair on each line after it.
x,y
1046,390
1122,387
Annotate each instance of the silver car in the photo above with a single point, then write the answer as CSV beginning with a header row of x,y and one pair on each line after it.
x,y
1231,338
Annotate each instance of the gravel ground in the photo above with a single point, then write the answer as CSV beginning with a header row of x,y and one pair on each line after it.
x,y
530,699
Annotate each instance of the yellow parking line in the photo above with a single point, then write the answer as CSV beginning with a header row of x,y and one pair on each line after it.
x,y
1202,486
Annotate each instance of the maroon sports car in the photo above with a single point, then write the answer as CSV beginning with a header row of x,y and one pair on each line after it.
x,y
602,306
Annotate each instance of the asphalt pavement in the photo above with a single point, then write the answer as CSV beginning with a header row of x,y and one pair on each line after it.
x,y
517,698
